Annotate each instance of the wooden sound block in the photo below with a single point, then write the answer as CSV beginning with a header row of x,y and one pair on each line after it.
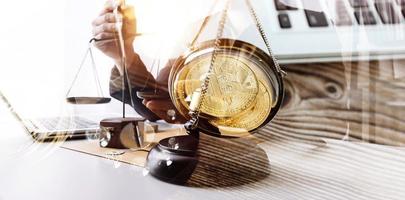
x,y
121,133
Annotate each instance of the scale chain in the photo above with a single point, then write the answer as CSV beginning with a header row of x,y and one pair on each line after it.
x,y
264,37
193,122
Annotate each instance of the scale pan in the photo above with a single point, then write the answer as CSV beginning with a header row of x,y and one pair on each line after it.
x,y
88,100
153,95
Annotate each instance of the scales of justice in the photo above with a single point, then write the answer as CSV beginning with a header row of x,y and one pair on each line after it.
x,y
223,87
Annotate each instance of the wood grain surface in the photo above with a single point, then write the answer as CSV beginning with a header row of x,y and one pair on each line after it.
x,y
339,135
286,169
352,101
320,145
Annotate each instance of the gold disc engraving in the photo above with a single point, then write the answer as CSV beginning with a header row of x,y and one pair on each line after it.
x,y
251,118
233,85
243,93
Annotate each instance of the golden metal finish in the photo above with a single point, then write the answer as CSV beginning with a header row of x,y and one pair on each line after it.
x,y
252,118
232,89
244,93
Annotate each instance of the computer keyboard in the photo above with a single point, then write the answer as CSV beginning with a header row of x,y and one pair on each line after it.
x,y
365,17
305,31
388,11
64,123
316,19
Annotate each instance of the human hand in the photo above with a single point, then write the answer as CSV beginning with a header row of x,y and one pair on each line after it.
x,y
165,109
105,30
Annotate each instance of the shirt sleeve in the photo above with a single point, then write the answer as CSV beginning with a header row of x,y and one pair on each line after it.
x,y
138,75
140,80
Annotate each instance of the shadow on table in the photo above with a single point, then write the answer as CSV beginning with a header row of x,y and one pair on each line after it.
x,y
229,162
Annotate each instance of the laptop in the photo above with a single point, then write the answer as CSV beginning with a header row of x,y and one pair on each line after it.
x,y
303,31
55,128
308,31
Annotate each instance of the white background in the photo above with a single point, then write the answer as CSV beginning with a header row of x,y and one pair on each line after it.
x,y
42,43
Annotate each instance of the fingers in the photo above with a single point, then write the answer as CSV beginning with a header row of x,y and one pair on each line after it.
x,y
105,24
159,105
107,18
126,11
105,28
111,5
105,36
161,108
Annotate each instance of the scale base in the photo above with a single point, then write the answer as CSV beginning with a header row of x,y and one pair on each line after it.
x,y
121,133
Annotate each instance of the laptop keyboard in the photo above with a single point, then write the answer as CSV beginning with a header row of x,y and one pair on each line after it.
x,y
316,19
284,20
365,13
387,13
66,123
365,17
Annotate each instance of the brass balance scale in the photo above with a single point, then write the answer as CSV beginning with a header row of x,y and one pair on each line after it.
x,y
225,88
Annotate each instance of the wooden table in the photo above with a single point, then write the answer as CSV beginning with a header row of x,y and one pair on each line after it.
x,y
353,101
339,135
326,143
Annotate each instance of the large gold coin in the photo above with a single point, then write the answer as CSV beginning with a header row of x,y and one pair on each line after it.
x,y
233,85
252,118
